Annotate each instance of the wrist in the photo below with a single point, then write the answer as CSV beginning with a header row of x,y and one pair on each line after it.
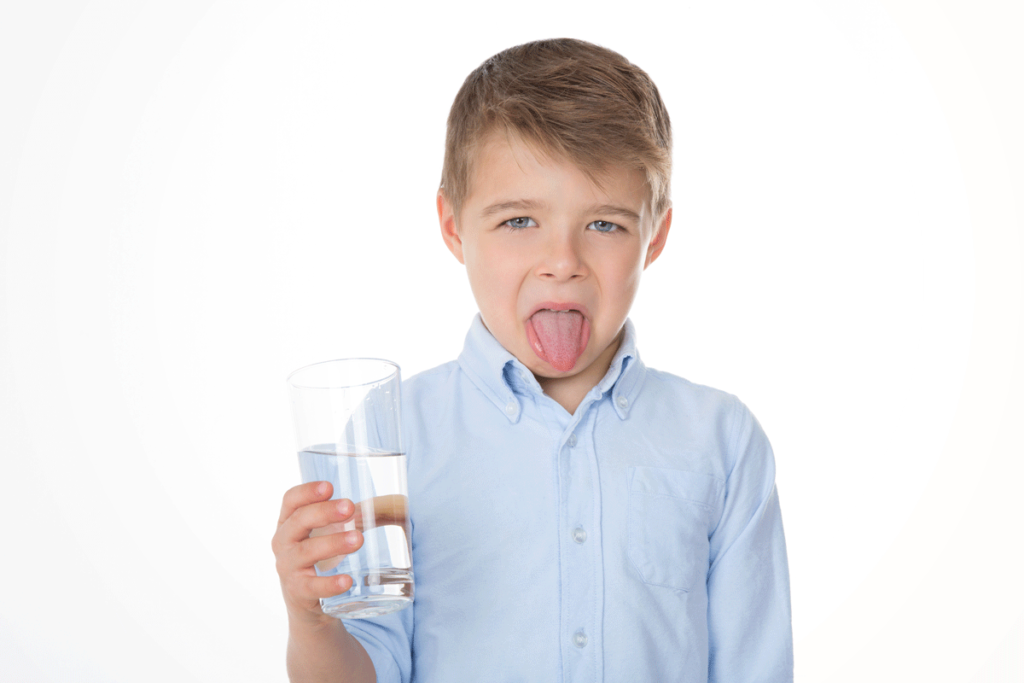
x,y
311,621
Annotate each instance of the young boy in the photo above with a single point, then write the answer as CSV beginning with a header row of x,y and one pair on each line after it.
x,y
577,516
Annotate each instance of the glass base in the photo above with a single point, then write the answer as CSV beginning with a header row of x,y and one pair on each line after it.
x,y
373,594
366,607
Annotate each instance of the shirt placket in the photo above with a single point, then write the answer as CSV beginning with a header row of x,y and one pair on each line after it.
x,y
580,550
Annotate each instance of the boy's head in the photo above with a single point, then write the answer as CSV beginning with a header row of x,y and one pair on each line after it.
x,y
576,100
555,197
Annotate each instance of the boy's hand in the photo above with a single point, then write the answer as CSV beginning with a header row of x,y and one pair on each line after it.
x,y
312,530
370,513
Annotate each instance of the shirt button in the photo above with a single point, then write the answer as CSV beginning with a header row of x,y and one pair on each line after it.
x,y
623,402
511,408
579,535
572,440
579,639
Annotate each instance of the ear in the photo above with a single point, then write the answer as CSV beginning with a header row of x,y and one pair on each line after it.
x,y
659,239
449,230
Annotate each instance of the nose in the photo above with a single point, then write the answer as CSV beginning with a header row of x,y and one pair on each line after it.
x,y
563,258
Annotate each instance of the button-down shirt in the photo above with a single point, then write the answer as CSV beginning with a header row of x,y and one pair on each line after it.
x,y
638,539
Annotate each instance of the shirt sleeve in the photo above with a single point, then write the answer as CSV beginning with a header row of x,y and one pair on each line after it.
x,y
749,618
388,641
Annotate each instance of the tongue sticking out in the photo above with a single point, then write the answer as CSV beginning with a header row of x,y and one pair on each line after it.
x,y
559,337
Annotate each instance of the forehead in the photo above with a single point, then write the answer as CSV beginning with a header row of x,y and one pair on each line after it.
x,y
507,165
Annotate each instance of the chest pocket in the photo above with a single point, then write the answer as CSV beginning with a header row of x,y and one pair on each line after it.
x,y
671,513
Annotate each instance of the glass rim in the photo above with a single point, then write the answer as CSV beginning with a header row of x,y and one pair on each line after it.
x,y
395,369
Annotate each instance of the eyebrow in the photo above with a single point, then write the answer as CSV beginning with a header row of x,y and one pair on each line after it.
x,y
517,204
531,205
620,211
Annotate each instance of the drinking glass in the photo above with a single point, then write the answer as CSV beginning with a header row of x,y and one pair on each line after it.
x,y
348,426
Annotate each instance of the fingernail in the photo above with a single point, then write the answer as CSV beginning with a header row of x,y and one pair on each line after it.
x,y
352,537
342,507
321,488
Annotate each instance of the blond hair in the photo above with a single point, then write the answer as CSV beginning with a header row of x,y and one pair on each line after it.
x,y
578,100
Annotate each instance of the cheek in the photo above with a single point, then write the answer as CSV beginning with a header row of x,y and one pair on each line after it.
x,y
622,289
625,271
493,274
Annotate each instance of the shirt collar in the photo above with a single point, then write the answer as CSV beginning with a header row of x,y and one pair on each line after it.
x,y
503,379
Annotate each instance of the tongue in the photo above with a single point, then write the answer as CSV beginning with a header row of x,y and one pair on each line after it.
x,y
559,336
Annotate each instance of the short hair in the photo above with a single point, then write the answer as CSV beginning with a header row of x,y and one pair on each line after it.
x,y
582,102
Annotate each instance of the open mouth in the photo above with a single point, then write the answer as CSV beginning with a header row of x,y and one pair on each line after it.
x,y
558,335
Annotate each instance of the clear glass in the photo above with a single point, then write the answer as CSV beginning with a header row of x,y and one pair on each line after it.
x,y
348,427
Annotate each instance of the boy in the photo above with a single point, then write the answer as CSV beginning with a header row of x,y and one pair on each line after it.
x,y
577,516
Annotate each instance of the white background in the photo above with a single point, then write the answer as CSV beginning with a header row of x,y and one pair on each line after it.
x,y
198,197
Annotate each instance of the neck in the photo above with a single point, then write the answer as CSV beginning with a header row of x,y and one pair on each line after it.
x,y
569,391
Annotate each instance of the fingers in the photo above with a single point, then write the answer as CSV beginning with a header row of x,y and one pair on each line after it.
x,y
315,533
382,511
314,516
307,590
295,566
303,494
326,549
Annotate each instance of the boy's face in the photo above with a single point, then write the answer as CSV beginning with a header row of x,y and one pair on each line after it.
x,y
553,259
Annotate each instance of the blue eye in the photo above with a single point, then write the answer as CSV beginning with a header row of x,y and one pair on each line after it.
x,y
519,223
604,226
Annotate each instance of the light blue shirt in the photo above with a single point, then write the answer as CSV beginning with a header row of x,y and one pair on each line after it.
x,y
639,539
